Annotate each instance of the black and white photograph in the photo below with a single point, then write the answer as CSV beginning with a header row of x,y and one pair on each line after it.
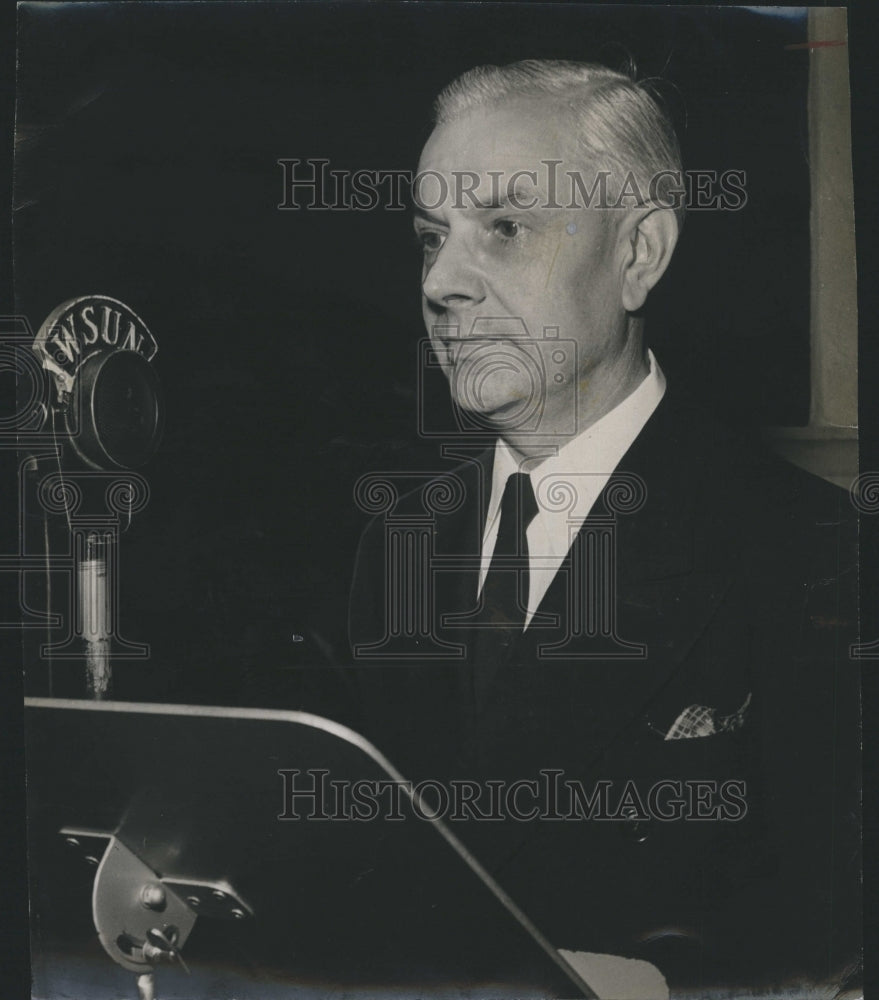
x,y
432,500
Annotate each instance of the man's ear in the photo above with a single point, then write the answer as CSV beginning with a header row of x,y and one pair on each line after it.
x,y
649,240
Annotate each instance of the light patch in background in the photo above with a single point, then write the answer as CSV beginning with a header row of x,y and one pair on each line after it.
x,y
790,13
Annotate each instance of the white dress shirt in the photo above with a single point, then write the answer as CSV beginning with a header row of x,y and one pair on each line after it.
x,y
567,484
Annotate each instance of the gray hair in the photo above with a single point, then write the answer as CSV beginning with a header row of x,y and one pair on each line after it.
x,y
618,124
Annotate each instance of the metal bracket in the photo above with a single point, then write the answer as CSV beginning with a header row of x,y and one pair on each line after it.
x,y
143,919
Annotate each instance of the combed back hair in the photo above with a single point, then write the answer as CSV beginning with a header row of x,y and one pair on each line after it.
x,y
618,124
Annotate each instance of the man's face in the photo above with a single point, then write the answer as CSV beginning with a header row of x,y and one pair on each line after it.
x,y
499,272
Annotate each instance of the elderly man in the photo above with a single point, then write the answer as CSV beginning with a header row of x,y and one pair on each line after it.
x,y
636,620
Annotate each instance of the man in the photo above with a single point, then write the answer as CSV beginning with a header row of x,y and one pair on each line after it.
x,y
627,596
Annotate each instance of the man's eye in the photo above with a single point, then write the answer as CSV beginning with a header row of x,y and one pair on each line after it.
x,y
507,229
430,240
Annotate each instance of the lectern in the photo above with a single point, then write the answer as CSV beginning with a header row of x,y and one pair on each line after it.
x,y
216,847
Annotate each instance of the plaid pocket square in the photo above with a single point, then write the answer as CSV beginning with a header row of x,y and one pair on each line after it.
x,y
699,720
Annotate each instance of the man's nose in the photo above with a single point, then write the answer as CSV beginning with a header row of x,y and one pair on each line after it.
x,y
453,277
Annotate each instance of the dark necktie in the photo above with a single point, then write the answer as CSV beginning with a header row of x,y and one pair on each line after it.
x,y
505,591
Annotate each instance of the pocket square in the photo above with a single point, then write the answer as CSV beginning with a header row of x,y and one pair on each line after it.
x,y
699,720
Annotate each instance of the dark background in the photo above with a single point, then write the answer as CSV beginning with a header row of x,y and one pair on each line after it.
x,y
148,136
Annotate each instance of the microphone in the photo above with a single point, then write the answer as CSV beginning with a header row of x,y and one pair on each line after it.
x,y
98,352
106,417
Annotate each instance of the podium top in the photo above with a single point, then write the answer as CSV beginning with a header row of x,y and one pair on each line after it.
x,y
354,894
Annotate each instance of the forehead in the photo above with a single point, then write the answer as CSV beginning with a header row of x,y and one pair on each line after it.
x,y
515,135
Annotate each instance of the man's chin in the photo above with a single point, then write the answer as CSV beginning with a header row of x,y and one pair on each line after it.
x,y
498,414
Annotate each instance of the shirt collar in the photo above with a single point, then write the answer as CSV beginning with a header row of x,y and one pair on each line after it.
x,y
598,449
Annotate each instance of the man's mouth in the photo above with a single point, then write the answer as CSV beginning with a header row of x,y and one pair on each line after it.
x,y
458,352
479,340
480,329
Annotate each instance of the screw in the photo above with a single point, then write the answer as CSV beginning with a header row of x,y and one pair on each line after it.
x,y
92,860
152,895
218,894
71,841
193,901
238,914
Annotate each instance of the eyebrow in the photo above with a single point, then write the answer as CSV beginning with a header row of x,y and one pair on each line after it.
x,y
504,200
422,213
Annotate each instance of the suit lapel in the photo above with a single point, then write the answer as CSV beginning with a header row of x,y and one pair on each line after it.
x,y
458,543
665,592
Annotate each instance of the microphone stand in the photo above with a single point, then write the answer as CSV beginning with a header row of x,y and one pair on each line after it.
x,y
94,610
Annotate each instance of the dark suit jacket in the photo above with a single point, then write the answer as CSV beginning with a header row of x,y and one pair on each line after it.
x,y
738,572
